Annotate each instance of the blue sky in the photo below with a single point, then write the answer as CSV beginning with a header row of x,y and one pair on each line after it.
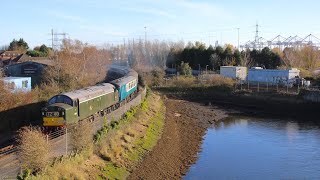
x,y
108,21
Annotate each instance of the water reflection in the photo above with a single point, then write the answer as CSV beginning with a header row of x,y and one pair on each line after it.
x,y
252,148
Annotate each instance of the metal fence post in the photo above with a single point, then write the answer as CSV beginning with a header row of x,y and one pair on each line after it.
x,y
258,86
66,141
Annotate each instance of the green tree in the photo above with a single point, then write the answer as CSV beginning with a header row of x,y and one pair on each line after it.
x,y
19,45
185,69
43,48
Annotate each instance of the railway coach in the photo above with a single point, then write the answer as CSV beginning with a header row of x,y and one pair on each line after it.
x,y
70,107
126,87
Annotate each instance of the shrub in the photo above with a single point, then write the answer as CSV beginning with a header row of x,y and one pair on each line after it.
x,y
152,78
185,69
33,148
183,81
82,137
218,80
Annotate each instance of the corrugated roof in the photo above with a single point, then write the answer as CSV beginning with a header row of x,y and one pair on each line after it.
x,y
90,92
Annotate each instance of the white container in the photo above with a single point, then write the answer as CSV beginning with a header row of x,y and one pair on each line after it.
x,y
234,72
272,75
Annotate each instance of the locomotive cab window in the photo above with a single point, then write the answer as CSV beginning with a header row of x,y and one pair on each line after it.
x,y
61,99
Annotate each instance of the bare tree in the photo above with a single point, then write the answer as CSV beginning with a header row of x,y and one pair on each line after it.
x,y
246,60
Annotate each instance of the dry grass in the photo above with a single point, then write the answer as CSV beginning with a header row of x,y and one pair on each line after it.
x,y
218,80
72,167
182,81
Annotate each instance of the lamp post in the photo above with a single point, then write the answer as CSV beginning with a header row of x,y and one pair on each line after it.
x,y
207,69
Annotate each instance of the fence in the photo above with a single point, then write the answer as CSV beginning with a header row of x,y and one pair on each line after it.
x,y
60,141
270,87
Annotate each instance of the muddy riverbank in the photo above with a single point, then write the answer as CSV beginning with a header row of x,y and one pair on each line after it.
x,y
185,124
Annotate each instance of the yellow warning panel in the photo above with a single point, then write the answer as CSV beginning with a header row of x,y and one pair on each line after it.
x,y
53,121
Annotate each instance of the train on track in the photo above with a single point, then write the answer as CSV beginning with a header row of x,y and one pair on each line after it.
x,y
91,102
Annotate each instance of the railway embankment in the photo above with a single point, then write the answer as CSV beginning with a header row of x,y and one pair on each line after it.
x,y
117,149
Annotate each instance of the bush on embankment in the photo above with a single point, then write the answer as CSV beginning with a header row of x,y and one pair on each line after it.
x,y
33,149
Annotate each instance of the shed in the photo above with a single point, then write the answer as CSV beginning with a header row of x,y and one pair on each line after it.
x,y
234,72
16,84
33,69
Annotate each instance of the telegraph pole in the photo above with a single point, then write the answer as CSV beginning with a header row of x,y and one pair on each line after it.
x,y
55,43
238,38
52,38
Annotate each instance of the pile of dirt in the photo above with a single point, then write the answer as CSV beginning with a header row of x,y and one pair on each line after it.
x,y
185,125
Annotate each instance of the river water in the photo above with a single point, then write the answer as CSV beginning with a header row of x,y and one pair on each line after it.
x,y
252,148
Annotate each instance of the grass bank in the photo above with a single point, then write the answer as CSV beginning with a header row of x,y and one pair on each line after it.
x,y
117,148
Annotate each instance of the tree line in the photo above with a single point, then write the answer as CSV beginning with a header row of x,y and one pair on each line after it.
x,y
198,56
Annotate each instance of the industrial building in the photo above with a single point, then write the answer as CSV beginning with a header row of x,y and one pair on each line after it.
x,y
274,76
17,84
234,72
28,67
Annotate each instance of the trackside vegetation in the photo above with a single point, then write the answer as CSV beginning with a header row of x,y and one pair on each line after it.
x,y
115,149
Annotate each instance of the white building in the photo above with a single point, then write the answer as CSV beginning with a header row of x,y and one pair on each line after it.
x,y
16,84
274,76
234,72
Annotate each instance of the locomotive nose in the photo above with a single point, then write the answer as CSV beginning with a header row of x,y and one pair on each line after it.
x,y
53,116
